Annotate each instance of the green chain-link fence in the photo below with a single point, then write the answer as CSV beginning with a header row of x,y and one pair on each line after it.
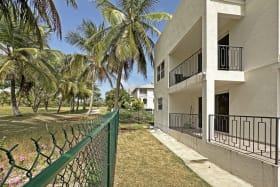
x,y
85,157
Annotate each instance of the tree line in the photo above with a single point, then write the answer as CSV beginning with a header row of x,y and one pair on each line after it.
x,y
38,74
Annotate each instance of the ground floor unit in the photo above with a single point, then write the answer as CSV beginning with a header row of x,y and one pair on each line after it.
x,y
233,123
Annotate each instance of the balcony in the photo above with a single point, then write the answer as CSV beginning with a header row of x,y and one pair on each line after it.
x,y
186,123
229,59
257,136
186,69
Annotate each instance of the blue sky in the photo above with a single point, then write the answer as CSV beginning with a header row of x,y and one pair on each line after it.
x,y
72,18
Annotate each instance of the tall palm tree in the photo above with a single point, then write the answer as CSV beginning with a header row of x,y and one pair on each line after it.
x,y
94,70
128,37
34,12
42,81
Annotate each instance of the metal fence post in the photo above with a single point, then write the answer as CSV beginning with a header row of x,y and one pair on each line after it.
x,y
108,155
276,141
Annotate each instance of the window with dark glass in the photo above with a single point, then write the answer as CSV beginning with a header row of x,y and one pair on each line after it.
x,y
143,91
145,101
160,103
160,71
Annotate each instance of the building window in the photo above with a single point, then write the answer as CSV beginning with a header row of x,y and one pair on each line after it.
x,y
159,103
160,71
143,91
145,101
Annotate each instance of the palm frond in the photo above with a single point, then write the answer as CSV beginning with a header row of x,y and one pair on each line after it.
x,y
145,6
156,17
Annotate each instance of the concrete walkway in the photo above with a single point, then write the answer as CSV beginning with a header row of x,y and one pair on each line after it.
x,y
211,173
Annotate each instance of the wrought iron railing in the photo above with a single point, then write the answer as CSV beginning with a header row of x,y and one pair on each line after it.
x,y
186,69
229,58
85,157
186,123
255,135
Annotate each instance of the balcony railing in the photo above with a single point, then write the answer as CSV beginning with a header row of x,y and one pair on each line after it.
x,y
186,123
186,69
257,136
229,58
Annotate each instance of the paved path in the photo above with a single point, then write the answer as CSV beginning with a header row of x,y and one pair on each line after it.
x,y
211,173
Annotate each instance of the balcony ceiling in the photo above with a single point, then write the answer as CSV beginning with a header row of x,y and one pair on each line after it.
x,y
190,43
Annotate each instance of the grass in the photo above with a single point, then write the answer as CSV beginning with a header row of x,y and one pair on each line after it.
x,y
143,161
20,130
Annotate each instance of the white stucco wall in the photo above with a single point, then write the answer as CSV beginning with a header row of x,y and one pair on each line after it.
x,y
256,32
160,91
184,102
190,11
150,99
255,91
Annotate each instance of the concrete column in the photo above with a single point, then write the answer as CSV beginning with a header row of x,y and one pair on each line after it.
x,y
278,105
167,66
210,61
208,108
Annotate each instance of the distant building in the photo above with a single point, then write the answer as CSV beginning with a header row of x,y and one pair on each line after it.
x,y
146,94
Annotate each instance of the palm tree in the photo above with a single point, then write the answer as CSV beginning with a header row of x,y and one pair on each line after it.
x,y
42,82
93,70
34,12
72,85
20,55
128,37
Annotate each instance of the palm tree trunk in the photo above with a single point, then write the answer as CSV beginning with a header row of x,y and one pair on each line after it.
x,y
22,81
59,105
119,78
84,104
46,103
16,111
72,104
78,104
92,93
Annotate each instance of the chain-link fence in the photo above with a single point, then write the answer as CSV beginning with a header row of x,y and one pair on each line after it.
x,y
85,157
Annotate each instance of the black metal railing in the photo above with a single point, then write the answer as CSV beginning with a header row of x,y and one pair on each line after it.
x,y
186,69
257,136
229,58
186,123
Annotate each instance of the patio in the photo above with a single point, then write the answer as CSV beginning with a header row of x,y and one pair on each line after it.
x,y
251,135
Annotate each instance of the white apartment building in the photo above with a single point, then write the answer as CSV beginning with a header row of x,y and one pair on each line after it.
x,y
217,84
146,94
